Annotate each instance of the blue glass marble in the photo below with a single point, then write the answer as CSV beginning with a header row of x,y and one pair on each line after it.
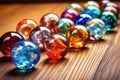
x,y
82,19
25,54
97,29
110,20
92,11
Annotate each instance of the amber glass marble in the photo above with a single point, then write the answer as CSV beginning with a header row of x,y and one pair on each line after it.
x,y
49,20
77,36
25,26
56,46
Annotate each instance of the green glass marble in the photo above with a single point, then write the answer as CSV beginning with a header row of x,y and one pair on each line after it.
x,y
63,25
110,20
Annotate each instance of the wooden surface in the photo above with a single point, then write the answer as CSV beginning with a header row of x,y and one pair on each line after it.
x,y
98,61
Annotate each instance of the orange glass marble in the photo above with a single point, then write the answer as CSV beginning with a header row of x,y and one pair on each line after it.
x,y
25,26
77,36
56,46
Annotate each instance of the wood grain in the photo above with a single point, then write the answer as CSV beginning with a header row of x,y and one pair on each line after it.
x,y
97,61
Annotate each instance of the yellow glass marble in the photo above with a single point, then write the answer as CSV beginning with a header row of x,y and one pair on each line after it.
x,y
75,6
78,36
91,3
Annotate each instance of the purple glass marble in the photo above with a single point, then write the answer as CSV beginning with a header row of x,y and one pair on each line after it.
x,y
71,14
38,35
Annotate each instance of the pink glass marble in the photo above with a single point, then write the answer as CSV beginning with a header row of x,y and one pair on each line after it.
x,y
49,20
25,26
7,41
38,35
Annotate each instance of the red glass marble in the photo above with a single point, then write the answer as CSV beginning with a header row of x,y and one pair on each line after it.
x,y
38,35
25,26
56,46
49,20
70,14
7,41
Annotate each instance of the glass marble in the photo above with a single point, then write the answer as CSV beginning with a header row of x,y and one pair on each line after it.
x,y
56,46
25,26
91,3
78,36
111,4
96,28
7,41
113,10
110,20
38,35
63,25
49,20
70,14
116,6
76,7
103,4
25,54
82,19
92,11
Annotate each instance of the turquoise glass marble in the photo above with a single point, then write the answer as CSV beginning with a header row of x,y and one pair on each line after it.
x,y
76,7
25,54
63,25
110,20
96,28
82,19
92,11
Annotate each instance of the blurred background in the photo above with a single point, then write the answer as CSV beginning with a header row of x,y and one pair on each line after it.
x,y
39,1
